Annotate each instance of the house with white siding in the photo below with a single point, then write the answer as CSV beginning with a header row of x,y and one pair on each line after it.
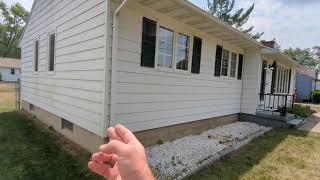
x,y
164,69
9,69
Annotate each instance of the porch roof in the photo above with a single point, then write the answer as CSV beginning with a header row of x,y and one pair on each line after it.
x,y
280,55
191,15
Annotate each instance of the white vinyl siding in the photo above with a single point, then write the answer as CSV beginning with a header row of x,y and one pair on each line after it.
x,y
147,98
75,91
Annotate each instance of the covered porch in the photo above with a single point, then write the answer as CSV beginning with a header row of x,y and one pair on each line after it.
x,y
277,86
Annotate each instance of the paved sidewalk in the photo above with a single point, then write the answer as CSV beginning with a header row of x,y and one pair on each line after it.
x,y
313,125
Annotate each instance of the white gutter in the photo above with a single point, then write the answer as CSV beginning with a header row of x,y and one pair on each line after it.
x,y
114,61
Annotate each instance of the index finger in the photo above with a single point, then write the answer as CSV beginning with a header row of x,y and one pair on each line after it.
x,y
125,134
114,147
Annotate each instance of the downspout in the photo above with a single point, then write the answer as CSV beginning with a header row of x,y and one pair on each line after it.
x,y
114,58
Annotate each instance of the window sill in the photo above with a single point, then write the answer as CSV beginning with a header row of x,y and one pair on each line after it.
x,y
174,71
36,73
51,73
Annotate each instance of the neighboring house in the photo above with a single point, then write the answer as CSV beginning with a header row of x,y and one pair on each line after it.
x,y
162,68
9,69
306,82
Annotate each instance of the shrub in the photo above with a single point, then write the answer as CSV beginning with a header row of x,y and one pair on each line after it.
x,y
301,111
315,96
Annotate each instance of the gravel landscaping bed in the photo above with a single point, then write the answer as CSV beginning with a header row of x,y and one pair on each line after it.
x,y
182,157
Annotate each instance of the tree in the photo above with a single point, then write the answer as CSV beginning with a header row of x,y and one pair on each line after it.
x,y
12,22
224,10
316,50
304,57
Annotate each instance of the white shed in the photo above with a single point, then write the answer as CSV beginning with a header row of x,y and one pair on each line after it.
x,y
9,69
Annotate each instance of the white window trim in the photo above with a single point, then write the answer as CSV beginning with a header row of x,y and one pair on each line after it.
x,y
34,52
173,69
48,52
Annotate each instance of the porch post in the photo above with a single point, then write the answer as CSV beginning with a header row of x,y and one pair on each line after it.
x,y
251,81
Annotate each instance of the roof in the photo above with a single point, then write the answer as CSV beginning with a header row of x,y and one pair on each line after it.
x,y
191,15
279,54
310,72
10,63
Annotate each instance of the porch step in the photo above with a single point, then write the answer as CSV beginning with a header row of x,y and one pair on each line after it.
x,y
275,116
295,122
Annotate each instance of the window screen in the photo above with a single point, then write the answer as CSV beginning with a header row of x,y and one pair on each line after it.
x,y
67,124
165,47
225,62
182,56
233,68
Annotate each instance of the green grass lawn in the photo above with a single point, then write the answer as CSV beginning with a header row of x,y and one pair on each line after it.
x,y
280,154
30,152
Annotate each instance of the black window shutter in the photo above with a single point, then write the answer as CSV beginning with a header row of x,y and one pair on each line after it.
x,y
274,77
289,84
148,48
240,66
217,68
196,55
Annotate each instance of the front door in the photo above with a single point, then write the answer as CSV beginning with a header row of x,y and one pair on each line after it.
x,y
263,79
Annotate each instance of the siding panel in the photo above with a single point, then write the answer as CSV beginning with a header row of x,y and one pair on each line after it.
x,y
76,89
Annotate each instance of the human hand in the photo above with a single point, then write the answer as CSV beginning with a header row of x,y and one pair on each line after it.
x,y
123,158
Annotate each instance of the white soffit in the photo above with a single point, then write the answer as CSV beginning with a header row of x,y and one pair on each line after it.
x,y
187,13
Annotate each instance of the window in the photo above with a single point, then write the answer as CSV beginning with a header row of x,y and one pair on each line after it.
x,y
51,52
31,107
240,66
148,48
13,71
225,63
165,48
36,56
67,124
182,56
196,55
233,67
217,68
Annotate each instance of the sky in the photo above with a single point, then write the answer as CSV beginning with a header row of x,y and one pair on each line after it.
x,y
293,23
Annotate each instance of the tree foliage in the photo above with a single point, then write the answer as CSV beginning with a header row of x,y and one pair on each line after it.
x,y
224,10
304,57
316,50
12,21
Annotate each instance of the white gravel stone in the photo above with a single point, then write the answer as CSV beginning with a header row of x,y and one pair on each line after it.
x,y
180,158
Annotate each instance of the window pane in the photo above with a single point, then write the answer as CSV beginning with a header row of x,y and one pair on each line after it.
x,y
182,57
165,48
233,65
225,63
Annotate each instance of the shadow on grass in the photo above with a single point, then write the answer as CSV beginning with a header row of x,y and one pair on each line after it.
x,y
240,162
29,151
